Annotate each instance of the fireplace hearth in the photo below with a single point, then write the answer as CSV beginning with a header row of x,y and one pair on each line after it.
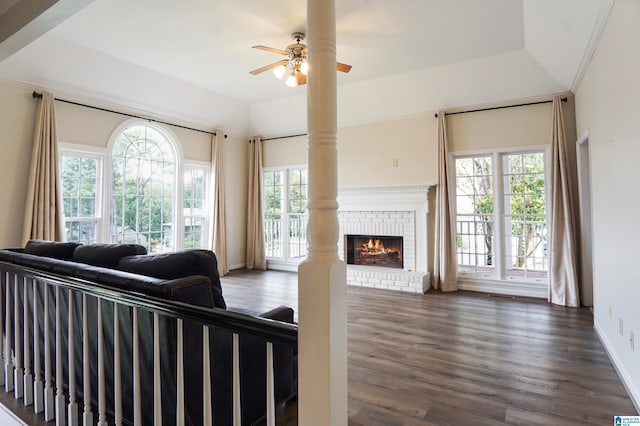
x,y
374,250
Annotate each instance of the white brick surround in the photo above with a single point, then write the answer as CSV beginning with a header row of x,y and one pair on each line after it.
x,y
388,211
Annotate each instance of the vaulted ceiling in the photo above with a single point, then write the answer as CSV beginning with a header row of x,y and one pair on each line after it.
x,y
191,59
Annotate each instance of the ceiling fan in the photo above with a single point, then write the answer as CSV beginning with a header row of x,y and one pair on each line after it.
x,y
295,66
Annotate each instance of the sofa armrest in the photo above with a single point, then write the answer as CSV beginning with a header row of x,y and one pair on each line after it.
x,y
281,313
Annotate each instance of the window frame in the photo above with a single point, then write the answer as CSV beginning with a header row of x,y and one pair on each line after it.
x,y
286,262
98,154
206,202
498,281
177,234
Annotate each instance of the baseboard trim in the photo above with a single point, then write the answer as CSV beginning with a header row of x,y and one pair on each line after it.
x,y
633,392
504,288
238,266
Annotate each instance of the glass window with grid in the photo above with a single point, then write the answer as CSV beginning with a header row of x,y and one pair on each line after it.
x,y
475,215
194,207
143,189
525,216
80,176
285,213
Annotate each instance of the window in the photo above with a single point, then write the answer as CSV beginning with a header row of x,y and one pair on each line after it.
x,y
285,213
194,207
501,216
142,192
143,182
80,173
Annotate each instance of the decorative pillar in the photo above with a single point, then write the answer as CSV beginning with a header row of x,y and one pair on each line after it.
x,y
322,338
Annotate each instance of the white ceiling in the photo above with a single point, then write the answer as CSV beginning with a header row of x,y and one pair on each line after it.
x,y
191,59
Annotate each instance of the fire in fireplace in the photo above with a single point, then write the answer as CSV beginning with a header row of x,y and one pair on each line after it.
x,y
373,250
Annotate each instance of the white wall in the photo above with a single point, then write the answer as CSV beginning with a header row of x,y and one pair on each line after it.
x,y
17,116
608,106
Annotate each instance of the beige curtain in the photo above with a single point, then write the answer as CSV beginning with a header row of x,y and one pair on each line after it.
x,y
563,276
444,262
255,258
43,215
219,235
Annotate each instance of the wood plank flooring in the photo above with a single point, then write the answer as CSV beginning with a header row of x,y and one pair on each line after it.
x,y
460,358
452,358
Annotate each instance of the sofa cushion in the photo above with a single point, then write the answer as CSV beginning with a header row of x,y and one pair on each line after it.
x,y
106,255
53,249
178,264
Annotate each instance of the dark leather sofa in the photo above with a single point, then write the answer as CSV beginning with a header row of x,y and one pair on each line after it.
x,y
188,276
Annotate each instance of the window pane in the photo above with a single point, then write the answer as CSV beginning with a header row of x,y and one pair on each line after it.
x,y
285,219
474,219
525,217
143,170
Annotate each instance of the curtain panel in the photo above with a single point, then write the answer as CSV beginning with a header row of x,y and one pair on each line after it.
x,y
444,262
255,257
219,225
563,258
43,214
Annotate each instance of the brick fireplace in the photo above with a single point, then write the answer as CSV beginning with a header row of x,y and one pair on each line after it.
x,y
386,213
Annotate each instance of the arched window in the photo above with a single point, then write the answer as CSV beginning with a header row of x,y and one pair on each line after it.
x,y
143,188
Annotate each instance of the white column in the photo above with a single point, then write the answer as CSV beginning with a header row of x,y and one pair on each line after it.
x,y
322,338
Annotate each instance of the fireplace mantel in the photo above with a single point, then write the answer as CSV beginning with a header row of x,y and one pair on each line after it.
x,y
411,197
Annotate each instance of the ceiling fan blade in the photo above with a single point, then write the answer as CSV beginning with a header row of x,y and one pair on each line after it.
x,y
271,49
270,66
343,67
301,79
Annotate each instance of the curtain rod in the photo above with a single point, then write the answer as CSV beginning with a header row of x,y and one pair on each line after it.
x,y
284,137
39,96
565,99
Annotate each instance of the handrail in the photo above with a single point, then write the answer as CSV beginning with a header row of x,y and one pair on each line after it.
x,y
234,321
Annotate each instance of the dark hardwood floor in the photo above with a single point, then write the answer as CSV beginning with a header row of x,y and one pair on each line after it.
x,y
452,358
460,358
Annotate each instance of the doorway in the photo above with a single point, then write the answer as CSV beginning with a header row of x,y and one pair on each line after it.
x,y
584,192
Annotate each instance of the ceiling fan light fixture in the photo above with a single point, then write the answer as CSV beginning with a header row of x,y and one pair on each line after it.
x,y
304,67
292,81
279,71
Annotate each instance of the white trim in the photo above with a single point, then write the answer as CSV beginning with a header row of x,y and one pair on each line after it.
x,y
504,287
625,378
9,418
81,148
237,266
283,265
592,44
490,151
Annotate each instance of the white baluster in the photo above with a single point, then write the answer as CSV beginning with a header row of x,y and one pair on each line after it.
x,y
19,372
87,414
102,397
237,420
207,415
72,408
27,382
2,341
8,366
117,379
180,376
271,404
157,387
137,406
49,409
60,403
38,385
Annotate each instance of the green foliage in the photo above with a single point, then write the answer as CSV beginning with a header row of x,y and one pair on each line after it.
x,y
143,177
